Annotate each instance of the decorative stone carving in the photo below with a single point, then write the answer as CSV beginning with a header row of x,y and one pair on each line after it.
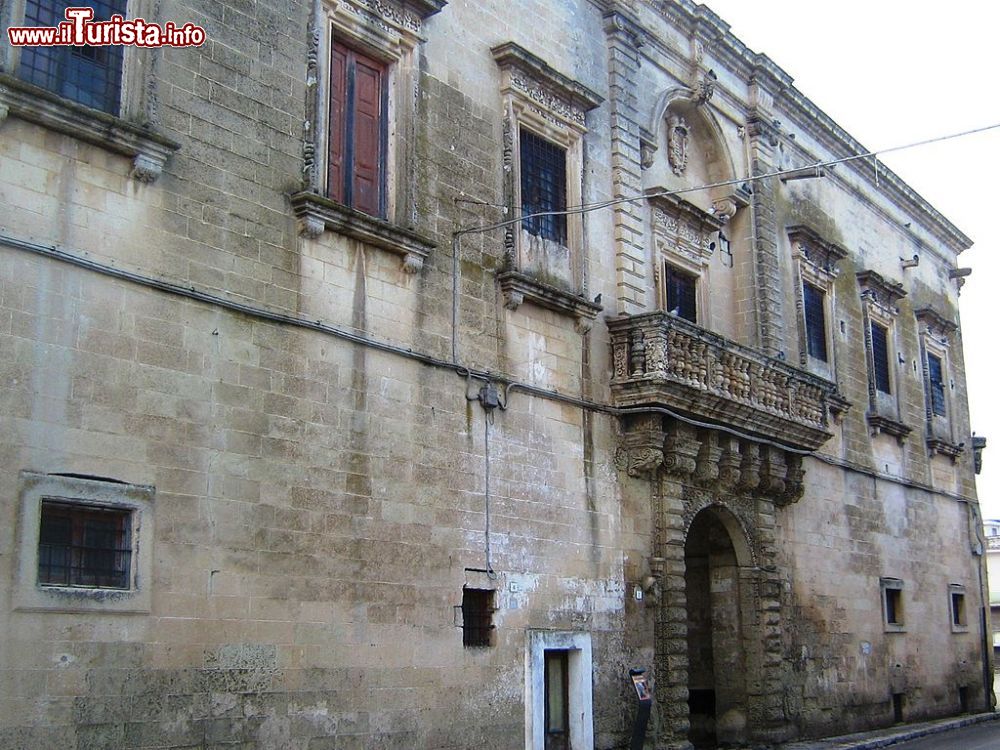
x,y
678,136
707,470
638,462
680,450
146,168
317,213
724,209
704,88
672,362
749,466
772,472
729,463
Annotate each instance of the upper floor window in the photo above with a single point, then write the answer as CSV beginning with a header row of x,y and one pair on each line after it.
x,y
880,358
935,382
358,130
814,304
935,344
681,293
543,187
815,262
88,75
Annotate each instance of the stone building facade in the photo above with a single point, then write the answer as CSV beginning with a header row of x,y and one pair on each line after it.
x,y
312,440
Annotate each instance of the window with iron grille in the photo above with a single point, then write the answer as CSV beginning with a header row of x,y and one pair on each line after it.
x,y
88,75
935,377
813,300
681,290
84,545
543,187
880,357
477,617
358,130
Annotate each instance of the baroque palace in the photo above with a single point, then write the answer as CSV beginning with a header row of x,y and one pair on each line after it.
x,y
403,373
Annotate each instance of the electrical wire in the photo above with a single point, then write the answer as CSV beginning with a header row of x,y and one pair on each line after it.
x,y
588,207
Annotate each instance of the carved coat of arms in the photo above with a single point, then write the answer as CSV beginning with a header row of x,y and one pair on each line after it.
x,y
677,144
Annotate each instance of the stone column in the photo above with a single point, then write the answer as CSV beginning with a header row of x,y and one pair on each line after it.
x,y
624,38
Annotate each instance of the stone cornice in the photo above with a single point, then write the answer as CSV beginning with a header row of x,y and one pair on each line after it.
x,y
935,322
534,78
886,293
518,288
754,67
148,149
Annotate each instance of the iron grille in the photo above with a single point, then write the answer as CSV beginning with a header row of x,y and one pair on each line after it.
x,y
477,617
935,374
543,187
815,313
880,357
88,75
82,545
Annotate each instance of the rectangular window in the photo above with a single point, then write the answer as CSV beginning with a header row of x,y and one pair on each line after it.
x,y
358,130
88,75
935,377
957,604
892,603
83,545
814,302
543,187
681,293
880,357
556,699
477,617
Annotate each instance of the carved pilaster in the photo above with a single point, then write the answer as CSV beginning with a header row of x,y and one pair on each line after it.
x,y
310,124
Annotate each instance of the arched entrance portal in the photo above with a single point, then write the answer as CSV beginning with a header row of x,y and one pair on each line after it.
x,y
715,620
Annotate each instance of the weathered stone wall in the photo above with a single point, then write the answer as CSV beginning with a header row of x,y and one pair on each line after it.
x,y
320,503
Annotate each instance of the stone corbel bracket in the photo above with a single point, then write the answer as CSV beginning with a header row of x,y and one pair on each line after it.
x,y
937,446
879,424
148,150
317,214
518,288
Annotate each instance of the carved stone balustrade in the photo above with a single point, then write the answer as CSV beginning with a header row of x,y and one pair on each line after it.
x,y
662,360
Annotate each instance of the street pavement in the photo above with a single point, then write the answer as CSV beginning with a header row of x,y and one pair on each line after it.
x,y
976,732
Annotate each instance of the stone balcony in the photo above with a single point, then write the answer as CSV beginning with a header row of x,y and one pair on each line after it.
x,y
666,361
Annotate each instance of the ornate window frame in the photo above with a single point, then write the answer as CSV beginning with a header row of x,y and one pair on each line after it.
x,y
85,492
935,332
879,297
389,32
132,133
682,238
539,99
815,262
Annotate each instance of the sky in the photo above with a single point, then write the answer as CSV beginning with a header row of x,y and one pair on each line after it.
x,y
892,73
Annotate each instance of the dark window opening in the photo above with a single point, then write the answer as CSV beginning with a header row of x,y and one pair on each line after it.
x,y
84,545
358,130
958,609
556,700
880,358
897,707
477,617
935,376
963,699
681,293
814,302
88,75
543,187
894,606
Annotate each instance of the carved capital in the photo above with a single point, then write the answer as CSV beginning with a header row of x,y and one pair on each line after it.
x,y
680,450
311,227
512,299
749,466
412,263
146,168
772,472
639,461
709,453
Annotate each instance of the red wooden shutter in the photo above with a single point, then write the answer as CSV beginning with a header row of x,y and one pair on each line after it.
x,y
367,144
338,123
